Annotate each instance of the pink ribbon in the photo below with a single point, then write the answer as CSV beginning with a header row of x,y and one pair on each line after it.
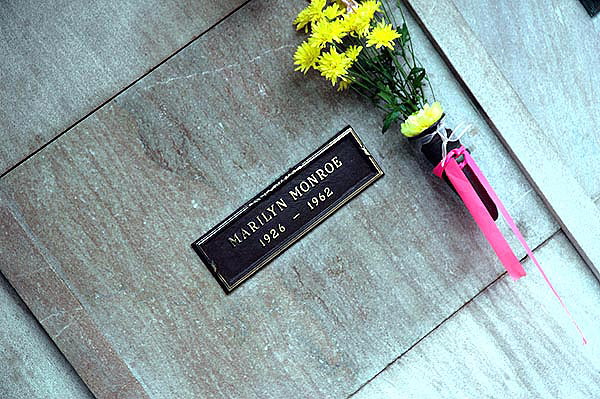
x,y
465,190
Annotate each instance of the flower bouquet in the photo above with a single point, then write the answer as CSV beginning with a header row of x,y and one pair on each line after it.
x,y
359,46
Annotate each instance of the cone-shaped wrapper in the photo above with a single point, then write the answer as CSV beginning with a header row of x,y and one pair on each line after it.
x,y
433,152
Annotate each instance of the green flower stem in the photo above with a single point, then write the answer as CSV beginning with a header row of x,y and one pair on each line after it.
x,y
410,46
401,84
366,97
388,13
391,84
400,69
364,78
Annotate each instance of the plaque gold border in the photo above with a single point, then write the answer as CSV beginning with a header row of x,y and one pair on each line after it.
x,y
343,133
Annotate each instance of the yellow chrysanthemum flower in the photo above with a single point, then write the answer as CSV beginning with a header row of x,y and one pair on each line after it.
x,y
311,14
359,21
332,12
344,83
382,35
306,57
333,65
352,52
422,119
324,32
369,7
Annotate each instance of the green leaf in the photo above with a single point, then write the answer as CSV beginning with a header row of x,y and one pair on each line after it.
x,y
416,76
403,30
405,108
385,93
389,119
387,97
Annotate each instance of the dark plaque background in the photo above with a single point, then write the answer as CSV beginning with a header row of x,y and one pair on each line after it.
x,y
592,6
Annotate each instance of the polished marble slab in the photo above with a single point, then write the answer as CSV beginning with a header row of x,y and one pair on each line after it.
x,y
104,216
549,51
513,340
59,60
30,364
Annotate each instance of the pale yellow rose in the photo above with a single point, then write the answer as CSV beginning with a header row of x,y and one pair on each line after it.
x,y
422,119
